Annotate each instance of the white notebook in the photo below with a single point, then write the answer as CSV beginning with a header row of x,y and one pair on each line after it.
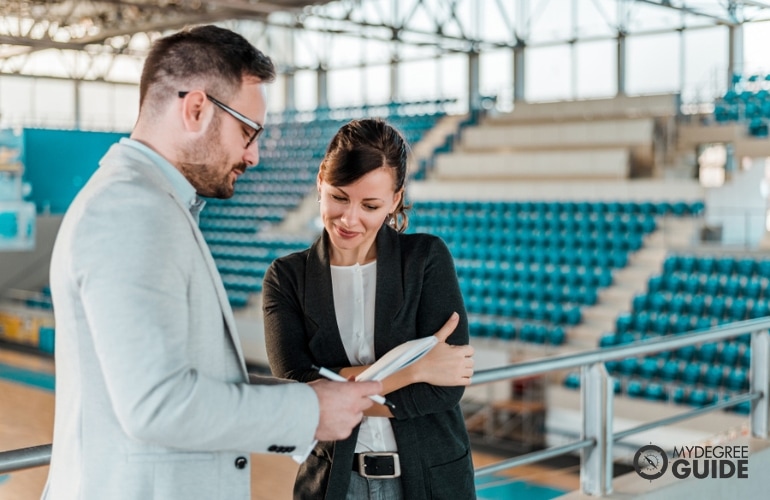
x,y
398,358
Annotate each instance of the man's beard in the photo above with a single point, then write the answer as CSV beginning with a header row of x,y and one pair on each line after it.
x,y
199,164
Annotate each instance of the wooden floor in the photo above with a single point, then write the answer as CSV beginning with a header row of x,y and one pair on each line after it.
x,y
26,419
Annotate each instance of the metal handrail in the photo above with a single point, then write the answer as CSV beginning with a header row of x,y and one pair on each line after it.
x,y
687,415
25,458
647,346
597,439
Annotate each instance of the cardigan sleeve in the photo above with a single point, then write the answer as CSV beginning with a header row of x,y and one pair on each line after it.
x,y
287,348
440,296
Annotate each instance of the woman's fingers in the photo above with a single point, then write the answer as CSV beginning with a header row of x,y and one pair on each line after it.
x,y
449,327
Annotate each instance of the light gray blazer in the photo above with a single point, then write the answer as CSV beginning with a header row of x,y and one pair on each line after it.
x,y
152,394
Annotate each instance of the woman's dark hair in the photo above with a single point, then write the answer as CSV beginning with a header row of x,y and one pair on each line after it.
x,y
362,146
208,56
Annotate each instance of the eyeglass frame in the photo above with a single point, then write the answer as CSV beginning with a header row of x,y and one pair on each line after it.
x,y
258,129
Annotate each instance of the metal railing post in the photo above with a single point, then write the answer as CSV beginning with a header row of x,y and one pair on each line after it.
x,y
760,382
596,461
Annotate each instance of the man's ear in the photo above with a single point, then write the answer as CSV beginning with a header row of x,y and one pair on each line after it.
x,y
196,113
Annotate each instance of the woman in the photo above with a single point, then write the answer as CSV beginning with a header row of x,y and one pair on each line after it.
x,y
361,289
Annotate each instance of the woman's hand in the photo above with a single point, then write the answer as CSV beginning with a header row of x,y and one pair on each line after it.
x,y
445,364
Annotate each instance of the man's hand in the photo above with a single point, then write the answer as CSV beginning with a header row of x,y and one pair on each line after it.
x,y
342,406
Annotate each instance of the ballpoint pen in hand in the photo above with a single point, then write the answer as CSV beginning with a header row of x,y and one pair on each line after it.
x,y
326,373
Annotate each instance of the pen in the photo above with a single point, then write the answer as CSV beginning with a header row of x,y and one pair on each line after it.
x,y
326,373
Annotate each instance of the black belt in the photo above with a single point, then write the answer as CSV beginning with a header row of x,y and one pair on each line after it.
x,y
378,465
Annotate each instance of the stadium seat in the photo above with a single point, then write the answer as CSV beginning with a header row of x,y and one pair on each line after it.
x,y
655,392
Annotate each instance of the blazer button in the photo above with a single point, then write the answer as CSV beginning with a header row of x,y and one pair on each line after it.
x,y
241,462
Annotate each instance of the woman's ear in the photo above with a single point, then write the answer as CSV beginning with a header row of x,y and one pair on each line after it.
x,y
397,196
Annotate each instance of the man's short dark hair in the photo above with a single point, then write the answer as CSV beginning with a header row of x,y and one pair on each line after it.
x,y
213,58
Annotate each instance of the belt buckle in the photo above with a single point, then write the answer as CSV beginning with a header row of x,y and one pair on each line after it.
x,y
396,464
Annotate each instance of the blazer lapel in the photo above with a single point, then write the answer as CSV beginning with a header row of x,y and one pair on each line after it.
x,y
390,291
319,305
224,302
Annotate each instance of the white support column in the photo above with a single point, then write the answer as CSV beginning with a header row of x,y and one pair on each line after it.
x,y
621,66
760,382
289,91
474,88
596,462
323,88
77,104
735,53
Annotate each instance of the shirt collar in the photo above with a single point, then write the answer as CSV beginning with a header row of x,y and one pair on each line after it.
x,y
182,187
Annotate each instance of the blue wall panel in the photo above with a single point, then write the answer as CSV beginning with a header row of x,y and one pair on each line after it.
x,y
57,163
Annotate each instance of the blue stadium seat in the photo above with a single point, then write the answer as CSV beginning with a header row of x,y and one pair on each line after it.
x,y
713,376
623,323
706,353
634,389
572,380
760,309
669,371
608,340
628,366
700,397
691,373
737,380
655,392
648,368
728,354
705,265
697,306
725,265
680,395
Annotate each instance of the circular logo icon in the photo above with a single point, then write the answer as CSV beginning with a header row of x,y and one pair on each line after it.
x,y
650,462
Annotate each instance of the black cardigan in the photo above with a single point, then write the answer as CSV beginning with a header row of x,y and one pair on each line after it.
x,y
417,291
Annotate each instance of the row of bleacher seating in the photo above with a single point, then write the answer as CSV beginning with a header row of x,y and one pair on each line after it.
x,y
708,285
413,110
747,101
524,331
547,248
692,293
723,265
456,207
526,227
674,393
654,307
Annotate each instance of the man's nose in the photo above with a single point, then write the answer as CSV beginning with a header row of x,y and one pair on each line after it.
x,y
251,154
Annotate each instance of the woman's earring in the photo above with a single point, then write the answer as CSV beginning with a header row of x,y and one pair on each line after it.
x,y
319,198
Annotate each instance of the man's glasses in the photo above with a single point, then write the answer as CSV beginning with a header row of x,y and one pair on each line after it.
x,y
256,127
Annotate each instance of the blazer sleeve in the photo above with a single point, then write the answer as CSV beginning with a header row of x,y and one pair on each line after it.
x,y
439,296
285,336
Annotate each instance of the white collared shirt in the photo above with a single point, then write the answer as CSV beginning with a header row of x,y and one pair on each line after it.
x,y
354,288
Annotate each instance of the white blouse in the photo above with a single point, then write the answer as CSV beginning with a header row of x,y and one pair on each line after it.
x,y
354,288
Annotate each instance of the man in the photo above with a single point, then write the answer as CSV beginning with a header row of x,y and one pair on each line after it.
x,y
152,396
